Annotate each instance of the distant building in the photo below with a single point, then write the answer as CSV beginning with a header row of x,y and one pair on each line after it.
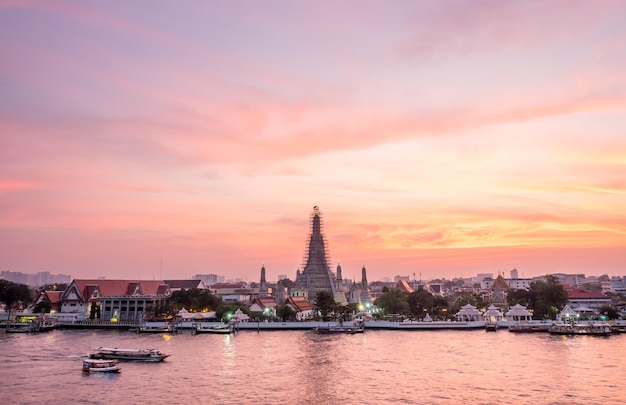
x,y
567,279
481,276
234,292
302,307
35,280
121,300
579,299
618,284
519,283
53,298
265,305
405,286
209,279
497,292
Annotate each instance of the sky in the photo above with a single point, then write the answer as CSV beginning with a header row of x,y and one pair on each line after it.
x,y
163,139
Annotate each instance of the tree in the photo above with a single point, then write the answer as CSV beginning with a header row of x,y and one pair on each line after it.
x,y
467,298
12,294
42,307
547,298
420,302
285,282
226,311
195,300
285,312
440,307
609,311
53,287
393,301
325,304
94,311
520,296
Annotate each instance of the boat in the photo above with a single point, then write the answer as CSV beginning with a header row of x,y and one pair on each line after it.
x,y
157,327
148,355
101,366
355,327
21,327
594,329
222,328
530,327
491,326
619,326
521,328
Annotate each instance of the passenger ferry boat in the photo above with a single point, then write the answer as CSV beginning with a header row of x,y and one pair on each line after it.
x,y
20,327
101,366
149,355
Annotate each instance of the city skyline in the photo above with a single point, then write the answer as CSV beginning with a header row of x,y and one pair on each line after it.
x,y
151,140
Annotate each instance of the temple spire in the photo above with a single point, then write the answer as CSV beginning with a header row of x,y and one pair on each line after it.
x,y
263,283
316,275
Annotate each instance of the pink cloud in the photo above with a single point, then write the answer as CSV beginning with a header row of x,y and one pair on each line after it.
x,y
468,28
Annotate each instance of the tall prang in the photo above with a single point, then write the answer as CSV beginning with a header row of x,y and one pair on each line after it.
x,y
365,297
316,275
263,283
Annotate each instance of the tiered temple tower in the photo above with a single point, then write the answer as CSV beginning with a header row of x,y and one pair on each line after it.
x,y
263,283
365,291
316,275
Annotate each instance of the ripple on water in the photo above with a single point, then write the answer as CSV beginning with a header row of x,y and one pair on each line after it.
x,y
440,367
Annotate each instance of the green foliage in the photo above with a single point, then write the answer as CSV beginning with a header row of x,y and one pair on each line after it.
x,y
325,304
14,293
547,298
226,311
610,312
53,287
420,302
285,282
522,297
286,313
467,298
195,300
440,307
393,301
94,311
42,307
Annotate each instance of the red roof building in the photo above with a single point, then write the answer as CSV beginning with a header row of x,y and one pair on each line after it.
x,y
116,300
303,308
579,299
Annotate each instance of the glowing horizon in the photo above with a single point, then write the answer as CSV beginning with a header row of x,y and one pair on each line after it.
x,y
441,138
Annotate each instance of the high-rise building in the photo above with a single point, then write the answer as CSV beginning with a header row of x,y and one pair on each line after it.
x,y
316,275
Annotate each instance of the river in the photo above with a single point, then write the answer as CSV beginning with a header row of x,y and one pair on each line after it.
x,y
301,367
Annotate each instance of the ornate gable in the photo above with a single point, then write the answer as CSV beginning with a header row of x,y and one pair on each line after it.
x,y
72,293
134,289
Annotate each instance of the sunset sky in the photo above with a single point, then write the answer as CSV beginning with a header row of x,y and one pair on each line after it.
x,y
162,139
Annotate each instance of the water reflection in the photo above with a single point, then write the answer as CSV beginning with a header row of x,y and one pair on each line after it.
x,y
437,367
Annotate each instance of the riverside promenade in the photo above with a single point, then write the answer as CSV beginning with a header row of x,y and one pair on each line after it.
x,y
173,327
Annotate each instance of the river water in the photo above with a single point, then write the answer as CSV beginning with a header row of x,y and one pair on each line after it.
x,y
301,367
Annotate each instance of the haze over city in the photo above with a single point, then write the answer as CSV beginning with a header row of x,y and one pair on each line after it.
x,y
163,139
